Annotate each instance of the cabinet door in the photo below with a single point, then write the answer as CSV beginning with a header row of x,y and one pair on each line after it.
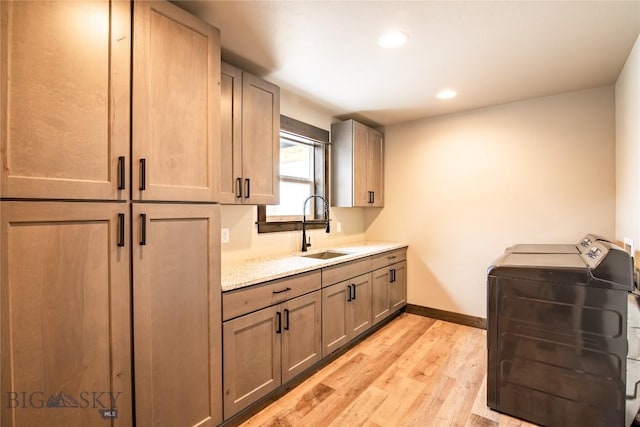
x,y
335,322
380,294
375,167
64,103
176,316
360,308
176,104
252,358
398,287
260,140
361,195
65,314
231,184
301,334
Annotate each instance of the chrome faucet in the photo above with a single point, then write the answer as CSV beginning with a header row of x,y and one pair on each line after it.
x,y
305,243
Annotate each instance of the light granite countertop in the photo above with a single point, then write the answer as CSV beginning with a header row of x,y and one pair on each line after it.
x,y
238,274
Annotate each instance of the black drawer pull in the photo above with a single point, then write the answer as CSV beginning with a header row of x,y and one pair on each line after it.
x,y
281,291
143,229
247,188
120,229
349,297
143,174
286,319
121,173
392,257
373,197
354,292
238,188
278,322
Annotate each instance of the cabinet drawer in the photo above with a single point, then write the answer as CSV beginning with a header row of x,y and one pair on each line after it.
x,y
340,272
242,301
388,258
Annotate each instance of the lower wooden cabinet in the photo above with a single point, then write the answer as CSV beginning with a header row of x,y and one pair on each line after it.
x,y
176,314
266,348
398,287
380,301
389,291
346,312
65,314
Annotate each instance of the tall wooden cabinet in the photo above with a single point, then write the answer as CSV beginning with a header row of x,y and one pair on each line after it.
x,y
176,98
64,99
250,146
357,159
68,269
177,312
65,323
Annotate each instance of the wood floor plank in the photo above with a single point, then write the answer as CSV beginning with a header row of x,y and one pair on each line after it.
x,y
414,371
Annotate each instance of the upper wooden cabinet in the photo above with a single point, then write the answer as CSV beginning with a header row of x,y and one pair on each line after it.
x,y
357,156
250,148
176,104
64,99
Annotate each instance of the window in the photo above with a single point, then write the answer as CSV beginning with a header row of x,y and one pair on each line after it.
x,y
303,171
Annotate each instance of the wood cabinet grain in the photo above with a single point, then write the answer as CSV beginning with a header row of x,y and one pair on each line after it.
x,y
268,347
65,313
346,312
357,156
176,316
250,147
176,105
64,103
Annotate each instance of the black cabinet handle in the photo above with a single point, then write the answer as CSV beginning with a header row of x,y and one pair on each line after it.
x,y
354,292
281,291
373,197
238,188
286,319
369,192
278,322
391,276
349,297
120,229
143,229
143,174
247,188
121,173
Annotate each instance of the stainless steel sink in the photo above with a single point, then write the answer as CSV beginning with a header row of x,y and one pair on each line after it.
x,y
325,255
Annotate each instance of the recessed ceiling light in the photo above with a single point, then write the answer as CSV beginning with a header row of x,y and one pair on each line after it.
x,y
392,39
447,94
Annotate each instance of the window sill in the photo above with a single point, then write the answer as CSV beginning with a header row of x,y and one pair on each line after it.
x,y
273,227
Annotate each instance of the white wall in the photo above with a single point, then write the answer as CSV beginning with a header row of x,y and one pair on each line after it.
x,y
245,242
462,187
627,95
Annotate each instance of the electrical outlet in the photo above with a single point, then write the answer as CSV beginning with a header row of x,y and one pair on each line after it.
x,y
338,226
224,235
628,245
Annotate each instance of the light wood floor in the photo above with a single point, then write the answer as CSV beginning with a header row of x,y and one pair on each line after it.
x,y
415,371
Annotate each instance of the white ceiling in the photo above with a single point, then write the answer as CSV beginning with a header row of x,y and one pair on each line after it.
x,y
491,52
